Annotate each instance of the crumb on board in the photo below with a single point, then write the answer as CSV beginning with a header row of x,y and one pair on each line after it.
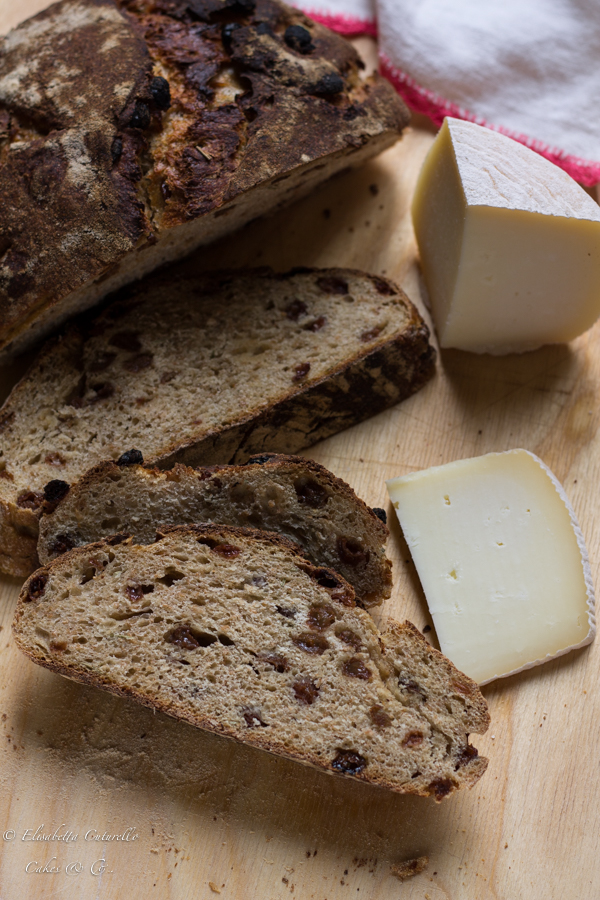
x,y
410,867
214,888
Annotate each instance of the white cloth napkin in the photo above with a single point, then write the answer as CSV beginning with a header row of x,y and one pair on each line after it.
x,y
528,68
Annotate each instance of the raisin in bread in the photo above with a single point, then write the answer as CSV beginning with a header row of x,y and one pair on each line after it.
x,y
232,630
285,494
201,371
133,131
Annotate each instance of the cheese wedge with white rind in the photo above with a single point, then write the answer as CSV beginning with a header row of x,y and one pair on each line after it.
x,y
501,559
509,244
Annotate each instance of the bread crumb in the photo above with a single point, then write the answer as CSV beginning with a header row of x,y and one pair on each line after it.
x,y
214,887
410,867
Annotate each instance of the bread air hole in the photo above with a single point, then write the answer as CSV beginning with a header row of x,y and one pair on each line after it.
x,y
171,576
88,573
122,615
189,638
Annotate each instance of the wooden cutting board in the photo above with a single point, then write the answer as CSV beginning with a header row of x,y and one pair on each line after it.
x,y
210,817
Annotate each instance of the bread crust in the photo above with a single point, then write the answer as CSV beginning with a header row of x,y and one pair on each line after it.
x,y
398,636
105,162
57,181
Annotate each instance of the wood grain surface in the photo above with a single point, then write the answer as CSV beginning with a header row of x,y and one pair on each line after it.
x,y
214,818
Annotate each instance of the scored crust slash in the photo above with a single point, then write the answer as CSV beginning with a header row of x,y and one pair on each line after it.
x,y
177,123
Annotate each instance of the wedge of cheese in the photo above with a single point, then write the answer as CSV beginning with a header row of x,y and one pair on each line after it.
x,y
509,244
502,561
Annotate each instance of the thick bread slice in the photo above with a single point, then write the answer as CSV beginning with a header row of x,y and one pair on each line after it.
x,y
203,371
232,630
133,131
289,495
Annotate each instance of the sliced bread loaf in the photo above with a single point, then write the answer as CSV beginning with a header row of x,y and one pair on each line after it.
x,y
285,494
232,630
202,371
133,131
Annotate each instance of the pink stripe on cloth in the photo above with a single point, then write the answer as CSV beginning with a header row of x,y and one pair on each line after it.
x,y
422,100
349,26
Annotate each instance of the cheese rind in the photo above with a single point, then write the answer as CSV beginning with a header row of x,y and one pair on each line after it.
x,y
502,561
509,244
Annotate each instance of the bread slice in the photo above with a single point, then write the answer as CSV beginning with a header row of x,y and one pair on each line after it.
x,y
204,371
232,630
132,132
285,494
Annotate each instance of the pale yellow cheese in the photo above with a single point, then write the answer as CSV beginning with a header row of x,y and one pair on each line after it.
x,y
501,559
509,243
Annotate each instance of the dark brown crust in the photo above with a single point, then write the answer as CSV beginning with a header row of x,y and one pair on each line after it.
x,y
59,187
468,775
82,185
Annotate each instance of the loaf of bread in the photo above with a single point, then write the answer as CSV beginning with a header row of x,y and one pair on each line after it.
x,y
285,494
204,371
232,630
132,131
